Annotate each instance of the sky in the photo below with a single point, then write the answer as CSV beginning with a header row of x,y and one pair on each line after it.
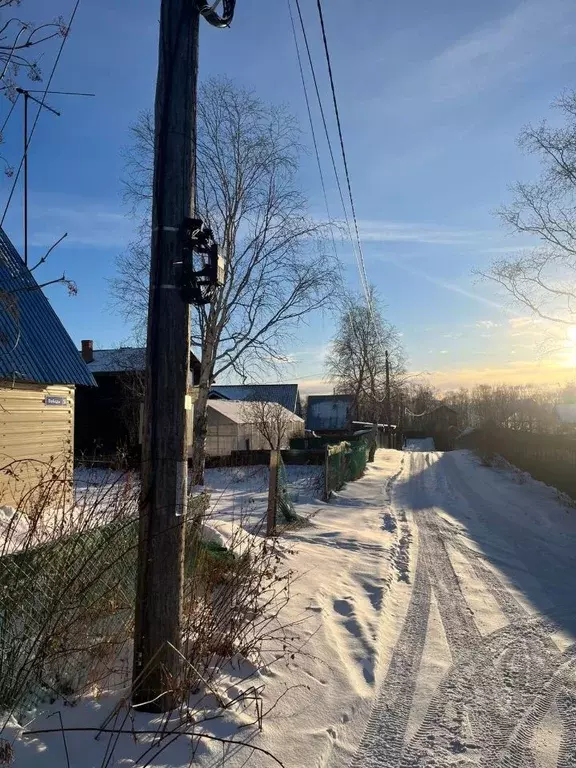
x,y
432,97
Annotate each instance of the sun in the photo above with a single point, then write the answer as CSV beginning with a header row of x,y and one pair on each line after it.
x,y
571,333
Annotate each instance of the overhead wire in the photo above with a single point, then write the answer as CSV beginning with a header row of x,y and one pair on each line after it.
x,y
362,264
5,123
357,245
311,123
40,107
327,134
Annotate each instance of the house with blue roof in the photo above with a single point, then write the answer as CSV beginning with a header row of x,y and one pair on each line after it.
x,y
39,371
286,395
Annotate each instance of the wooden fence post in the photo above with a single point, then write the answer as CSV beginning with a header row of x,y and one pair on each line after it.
x,y
326,470
272,493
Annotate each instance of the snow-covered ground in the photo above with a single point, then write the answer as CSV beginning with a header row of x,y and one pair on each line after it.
x,y
344,567
419,444
434,608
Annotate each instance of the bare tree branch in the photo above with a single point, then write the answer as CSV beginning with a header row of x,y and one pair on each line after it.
x,y
542,279
278,267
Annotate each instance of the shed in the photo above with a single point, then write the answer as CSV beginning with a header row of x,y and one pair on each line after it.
x,y
329,414
229,429
108,418
39,369
286,395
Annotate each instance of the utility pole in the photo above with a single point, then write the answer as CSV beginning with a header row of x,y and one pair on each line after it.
x,y
157,666
163,496
388,401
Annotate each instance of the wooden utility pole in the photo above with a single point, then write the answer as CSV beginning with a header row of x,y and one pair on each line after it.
x,y
157,666
272,493
388,401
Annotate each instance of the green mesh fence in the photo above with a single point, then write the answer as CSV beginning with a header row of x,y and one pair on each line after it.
x,y
345,462
66,613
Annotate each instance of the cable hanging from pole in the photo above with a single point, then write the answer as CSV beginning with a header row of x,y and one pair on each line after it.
x,y
209,12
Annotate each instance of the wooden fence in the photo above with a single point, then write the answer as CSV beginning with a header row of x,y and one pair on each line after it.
x,y
549,458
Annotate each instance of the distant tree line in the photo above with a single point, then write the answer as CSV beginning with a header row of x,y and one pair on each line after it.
x,y
525,407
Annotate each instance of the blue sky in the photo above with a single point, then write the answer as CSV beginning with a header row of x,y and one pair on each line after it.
x,y
432,97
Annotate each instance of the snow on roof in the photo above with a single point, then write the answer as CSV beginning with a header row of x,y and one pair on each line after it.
x,y
121,359
566,412
238,411
118,360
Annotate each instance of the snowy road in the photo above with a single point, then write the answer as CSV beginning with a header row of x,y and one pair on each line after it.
x,y
483,672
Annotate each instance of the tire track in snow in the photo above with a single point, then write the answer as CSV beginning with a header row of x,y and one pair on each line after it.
x,y
383,738
500,688
567,707
480,702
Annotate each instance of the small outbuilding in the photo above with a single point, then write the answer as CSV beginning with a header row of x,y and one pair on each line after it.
x,y
39,370
286,395
330,414
231,428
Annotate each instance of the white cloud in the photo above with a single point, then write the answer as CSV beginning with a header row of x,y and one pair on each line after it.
x,y
89,224
501,50
414,232
488,324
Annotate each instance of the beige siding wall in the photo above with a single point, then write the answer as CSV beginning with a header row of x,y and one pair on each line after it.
x,y
33,432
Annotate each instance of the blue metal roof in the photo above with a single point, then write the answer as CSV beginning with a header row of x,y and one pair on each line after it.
x,y
285,394
34,345
329,412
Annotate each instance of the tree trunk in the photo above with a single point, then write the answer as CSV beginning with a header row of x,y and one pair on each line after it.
x,y
199,436
201,411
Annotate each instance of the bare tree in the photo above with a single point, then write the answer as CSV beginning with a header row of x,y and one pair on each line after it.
x,y
543,278
276,267
275,423
356,362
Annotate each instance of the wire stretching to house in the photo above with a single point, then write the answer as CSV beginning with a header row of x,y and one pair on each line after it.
x,y
40,107
328,140
362,265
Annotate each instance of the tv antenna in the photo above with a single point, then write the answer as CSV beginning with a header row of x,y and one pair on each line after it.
x,y
27,94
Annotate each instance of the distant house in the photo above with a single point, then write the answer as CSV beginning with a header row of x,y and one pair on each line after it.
x,y
287,395
440,419
230,428
108,418
39,368
329,414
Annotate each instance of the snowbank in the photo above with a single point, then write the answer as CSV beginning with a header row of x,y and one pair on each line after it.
x,y
345,561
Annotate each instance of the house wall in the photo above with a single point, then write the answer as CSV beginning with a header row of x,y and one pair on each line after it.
x,y
34,434
224,436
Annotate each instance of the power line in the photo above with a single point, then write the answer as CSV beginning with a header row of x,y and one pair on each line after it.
x,y
5,123
363,275
327,134
40,107
311,122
